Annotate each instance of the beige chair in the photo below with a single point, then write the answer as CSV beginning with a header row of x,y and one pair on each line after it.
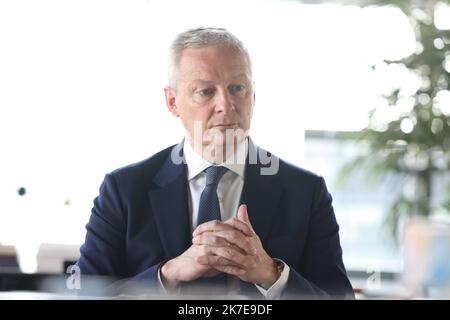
x,y
54,258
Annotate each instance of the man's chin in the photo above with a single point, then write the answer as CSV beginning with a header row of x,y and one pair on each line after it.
x,y
220,143
224,136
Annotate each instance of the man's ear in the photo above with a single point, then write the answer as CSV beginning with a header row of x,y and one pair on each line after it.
x,y
171,100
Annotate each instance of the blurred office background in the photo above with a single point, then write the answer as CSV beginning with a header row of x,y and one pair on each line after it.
x,y
81,93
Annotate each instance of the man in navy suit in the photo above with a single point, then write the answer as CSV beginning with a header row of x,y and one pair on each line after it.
x,y
215,209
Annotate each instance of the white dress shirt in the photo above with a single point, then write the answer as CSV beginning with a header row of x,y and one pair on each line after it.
x,y
229,192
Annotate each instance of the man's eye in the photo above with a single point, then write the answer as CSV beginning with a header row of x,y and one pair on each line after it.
x,y
237,88
206,92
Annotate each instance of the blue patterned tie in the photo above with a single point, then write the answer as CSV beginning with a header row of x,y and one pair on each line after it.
x,y
209,208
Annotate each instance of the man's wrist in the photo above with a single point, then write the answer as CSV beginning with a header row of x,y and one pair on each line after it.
x,y
168,276
274,274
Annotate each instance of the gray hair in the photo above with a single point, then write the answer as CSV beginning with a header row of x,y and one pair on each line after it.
x,y
197,38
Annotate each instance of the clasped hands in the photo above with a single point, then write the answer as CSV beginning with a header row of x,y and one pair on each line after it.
x,y
231,247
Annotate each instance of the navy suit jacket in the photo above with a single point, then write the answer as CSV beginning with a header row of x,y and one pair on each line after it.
x,y
140,220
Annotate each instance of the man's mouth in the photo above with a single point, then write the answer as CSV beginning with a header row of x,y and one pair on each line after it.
x,y
225,125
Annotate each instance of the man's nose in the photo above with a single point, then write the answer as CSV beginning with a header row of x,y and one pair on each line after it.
x,y
224,102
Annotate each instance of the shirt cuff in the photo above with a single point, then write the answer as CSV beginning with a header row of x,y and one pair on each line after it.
x,y
275,291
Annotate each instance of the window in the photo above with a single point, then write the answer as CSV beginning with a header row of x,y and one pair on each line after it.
x,y
82,94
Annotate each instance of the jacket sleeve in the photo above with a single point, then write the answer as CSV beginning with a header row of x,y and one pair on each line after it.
x,y
322,273
104,250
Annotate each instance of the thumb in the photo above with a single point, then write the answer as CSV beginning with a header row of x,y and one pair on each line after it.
x,y
243,215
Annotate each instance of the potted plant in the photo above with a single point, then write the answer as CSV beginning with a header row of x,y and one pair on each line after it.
x,y
414,144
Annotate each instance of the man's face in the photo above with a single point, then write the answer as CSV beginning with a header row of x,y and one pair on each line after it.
x,y
214,92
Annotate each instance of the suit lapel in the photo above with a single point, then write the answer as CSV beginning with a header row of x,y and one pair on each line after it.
x,y
261,194
168,199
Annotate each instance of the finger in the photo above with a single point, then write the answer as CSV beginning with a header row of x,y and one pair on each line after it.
x,y
243,216
236,257
231,257
239,240
210,239
211,226
235,271
213,260
240,225
224,238
221,264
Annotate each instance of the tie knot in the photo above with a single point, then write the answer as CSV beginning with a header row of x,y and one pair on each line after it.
x,y
214,174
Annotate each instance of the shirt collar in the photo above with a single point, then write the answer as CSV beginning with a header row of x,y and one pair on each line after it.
x,y
196,164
